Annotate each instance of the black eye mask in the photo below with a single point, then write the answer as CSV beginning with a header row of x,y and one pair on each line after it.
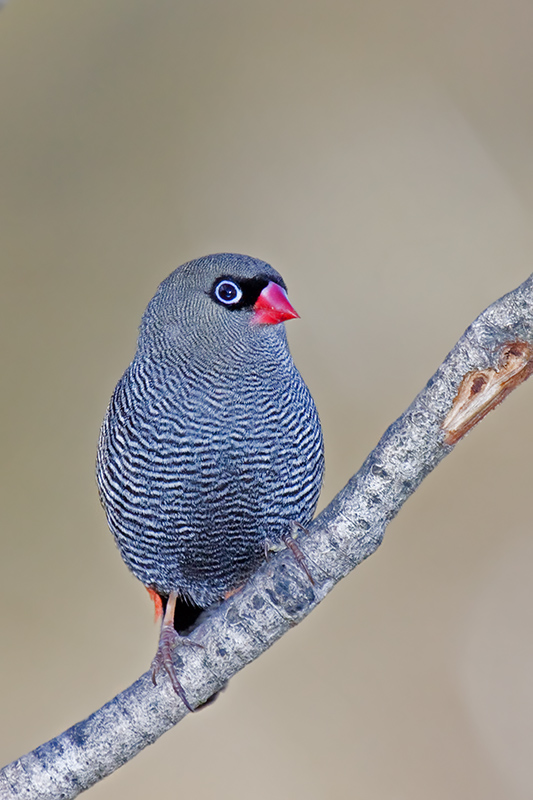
x,y
240,292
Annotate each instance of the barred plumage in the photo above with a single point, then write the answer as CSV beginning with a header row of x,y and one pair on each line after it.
x,y
211,444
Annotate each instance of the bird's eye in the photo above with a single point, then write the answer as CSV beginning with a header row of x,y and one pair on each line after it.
x,y
228,293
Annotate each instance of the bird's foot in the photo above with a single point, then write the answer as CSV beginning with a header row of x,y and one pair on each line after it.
x,y
288,540
169,639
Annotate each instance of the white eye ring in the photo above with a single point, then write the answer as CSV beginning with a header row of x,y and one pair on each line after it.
x,y
228,293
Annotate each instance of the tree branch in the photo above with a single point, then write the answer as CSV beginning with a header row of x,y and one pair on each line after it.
x,y
493,356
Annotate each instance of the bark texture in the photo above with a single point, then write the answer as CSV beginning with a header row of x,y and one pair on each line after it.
x,y
280,595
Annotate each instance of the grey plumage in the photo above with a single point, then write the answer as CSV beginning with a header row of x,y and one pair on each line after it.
x,y
211,444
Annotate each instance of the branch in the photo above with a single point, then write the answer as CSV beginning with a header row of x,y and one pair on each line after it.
x,y
493,356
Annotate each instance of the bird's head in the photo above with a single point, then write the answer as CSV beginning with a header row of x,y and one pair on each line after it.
x,y
215,301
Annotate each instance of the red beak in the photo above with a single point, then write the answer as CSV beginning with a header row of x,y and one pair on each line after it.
x,y
272,306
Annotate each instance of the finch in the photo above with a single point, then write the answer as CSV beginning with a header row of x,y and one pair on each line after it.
x,y
211,447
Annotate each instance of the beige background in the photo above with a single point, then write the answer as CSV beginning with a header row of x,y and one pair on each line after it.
x,y
379,154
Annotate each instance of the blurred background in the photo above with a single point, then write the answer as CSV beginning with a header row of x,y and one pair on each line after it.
x,y
380,156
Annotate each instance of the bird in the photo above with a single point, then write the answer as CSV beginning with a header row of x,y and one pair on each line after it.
x,y
211,450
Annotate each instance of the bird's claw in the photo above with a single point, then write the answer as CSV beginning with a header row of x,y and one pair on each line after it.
x,y
168,641
296,528
272,547
288,541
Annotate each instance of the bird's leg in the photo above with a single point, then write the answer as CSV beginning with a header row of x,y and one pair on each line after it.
x,y
169,638
289,541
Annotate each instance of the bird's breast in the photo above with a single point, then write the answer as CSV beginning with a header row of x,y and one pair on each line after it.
x,y
196,473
